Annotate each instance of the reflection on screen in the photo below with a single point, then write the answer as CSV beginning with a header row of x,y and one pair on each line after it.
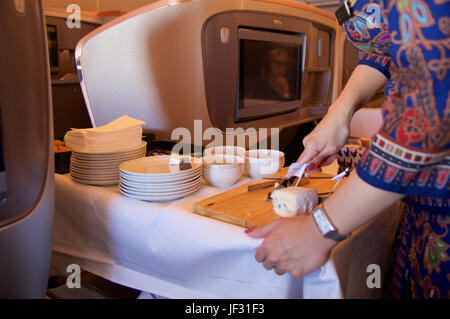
x,y
52,46
269,72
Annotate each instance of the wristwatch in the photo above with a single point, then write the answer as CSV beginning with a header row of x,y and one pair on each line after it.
x,y
345,11
325,226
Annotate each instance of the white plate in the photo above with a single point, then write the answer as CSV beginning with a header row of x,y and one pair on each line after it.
x,y
161,182
95,177
143,144
75,166
155,194
107,160
146,189
144,186
155,167
176,172
158,186
174,168
98,165
96,182
112,171
108,157
159,197
159,194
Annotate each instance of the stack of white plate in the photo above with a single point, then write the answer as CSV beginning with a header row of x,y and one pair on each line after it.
x,y
153,179
102,168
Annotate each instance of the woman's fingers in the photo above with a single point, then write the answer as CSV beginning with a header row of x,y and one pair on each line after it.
x,y
279,271
312,150
294,246
263,231
260,255
268,265
316,155
313,169
324,158
329,160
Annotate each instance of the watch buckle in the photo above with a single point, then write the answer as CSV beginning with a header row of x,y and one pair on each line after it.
x,y
344,11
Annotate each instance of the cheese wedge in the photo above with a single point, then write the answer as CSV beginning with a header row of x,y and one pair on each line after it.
x,y
293,201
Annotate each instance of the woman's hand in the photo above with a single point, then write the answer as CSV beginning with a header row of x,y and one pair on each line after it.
x,y
322,144
295,245
292,245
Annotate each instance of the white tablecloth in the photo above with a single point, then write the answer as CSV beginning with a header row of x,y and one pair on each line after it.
x,y
166,249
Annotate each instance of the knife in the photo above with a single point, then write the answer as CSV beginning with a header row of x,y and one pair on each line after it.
x,y
295,170
286,183
262,185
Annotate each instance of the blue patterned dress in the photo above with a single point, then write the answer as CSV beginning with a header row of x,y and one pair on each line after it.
x,y
409,42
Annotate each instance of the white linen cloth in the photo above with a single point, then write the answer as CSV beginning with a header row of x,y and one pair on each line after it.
x,y
123,133
165,249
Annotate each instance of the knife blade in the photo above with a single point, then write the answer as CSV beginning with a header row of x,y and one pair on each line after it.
x,y
286,183
296,170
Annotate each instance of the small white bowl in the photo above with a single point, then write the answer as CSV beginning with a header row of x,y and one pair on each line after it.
x,y
228,150
222,170
259,163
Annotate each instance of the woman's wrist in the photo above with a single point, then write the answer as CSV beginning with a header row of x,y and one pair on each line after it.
x,y
327,243
344,107
355,202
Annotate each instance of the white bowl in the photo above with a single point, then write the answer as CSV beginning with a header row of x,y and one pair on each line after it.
x,y
229,150
259,163
222,170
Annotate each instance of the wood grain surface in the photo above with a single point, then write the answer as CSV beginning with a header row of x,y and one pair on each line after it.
x,y
250,209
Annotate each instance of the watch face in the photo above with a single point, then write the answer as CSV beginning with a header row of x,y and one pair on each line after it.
x,y
325,227
322,222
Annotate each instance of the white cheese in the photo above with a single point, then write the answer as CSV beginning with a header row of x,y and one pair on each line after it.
x,y
292,201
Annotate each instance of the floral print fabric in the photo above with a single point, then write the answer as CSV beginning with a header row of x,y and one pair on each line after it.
x,y
409,42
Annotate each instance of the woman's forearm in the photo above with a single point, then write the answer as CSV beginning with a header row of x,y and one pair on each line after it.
x,y
364,82
333,130
356,202
296,245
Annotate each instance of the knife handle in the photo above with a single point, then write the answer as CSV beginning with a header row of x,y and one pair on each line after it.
x,y
257,186
262,185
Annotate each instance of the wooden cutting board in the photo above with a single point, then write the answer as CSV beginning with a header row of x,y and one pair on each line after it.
x,y
240,207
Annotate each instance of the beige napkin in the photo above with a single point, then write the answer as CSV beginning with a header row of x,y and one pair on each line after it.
x,y
123,133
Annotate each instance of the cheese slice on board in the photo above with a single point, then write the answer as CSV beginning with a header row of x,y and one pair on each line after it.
x,y
293,201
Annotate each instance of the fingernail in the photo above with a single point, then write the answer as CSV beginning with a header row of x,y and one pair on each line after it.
x,y
249,230
311,166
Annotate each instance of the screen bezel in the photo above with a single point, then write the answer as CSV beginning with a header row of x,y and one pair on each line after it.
x,y
220,63
52,29
280,107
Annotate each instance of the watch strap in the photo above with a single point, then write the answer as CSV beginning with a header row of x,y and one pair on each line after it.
x,y
344,11
336,236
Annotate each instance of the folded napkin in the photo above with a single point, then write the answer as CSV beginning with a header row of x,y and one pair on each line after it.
x,y
121,134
